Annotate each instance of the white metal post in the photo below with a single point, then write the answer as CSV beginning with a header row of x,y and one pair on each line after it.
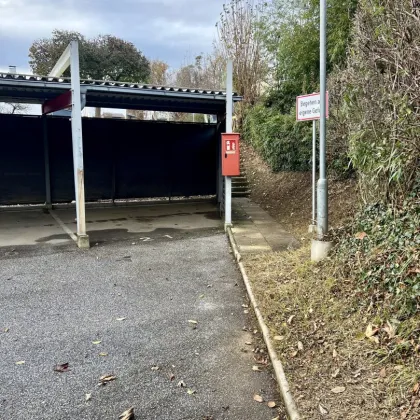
x,y
229,114
77,140
313,172
322,193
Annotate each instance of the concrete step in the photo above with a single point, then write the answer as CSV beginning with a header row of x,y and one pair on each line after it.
x,y
241,193
240,178
239,183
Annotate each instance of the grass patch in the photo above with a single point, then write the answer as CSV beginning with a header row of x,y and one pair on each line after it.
x,y
320,320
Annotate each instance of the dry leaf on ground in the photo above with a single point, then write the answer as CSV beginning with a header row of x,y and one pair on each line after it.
x,y
155,368
103,354
322,410
289,321
191,391
371,331
390,330
279,337
360,235
271,404
258,398
256,368
61,368
127,415
104,379
192,321
96,342
300,345
338,389
21,362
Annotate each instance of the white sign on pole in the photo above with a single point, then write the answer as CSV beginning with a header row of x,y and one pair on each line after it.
x,y
308,107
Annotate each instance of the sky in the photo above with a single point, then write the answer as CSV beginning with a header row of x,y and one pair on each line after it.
x,y
170,30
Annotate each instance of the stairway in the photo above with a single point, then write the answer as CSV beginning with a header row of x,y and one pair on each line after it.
x,y
240,186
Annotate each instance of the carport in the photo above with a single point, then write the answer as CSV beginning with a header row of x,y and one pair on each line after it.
x,y
47,160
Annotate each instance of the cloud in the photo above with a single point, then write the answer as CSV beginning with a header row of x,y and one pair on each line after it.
x,y
23,18
165,29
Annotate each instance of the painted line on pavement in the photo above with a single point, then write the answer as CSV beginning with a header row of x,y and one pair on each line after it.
x,y
63,226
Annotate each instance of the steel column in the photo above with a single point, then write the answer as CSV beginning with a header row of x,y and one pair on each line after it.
x,y
77,140
229,115
322,193
48,202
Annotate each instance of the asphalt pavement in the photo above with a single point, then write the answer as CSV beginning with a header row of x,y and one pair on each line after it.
x,y
125,309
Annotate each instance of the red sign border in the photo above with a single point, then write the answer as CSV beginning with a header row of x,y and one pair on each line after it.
x,y
307,96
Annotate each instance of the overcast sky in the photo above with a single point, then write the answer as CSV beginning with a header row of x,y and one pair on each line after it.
x,y
170,30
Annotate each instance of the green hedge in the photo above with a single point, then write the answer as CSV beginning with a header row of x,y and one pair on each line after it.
x,y
283,143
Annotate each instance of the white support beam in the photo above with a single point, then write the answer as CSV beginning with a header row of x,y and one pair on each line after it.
x,y
63,63
77,140
229,115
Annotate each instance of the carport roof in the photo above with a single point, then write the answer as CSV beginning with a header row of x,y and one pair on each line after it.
x,y
108,94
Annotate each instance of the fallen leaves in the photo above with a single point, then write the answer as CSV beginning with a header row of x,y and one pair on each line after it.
x,y
191,391
323,411
105,379
64,367
390,330
96,342
271,404
338,390
103,354
193,322
360,235
155,368
300,346
279,337
20,362
371,332
258,398
256,368
290,320
127,415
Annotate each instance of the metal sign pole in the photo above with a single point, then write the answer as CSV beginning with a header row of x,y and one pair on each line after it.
x,y
229,112
322,193
314,172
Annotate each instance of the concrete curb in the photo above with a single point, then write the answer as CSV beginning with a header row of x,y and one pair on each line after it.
x,y
289,403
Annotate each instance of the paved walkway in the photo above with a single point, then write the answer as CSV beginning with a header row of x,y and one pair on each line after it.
x,y
256,231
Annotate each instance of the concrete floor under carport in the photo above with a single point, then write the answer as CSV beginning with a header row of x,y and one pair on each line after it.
x,y
137,223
